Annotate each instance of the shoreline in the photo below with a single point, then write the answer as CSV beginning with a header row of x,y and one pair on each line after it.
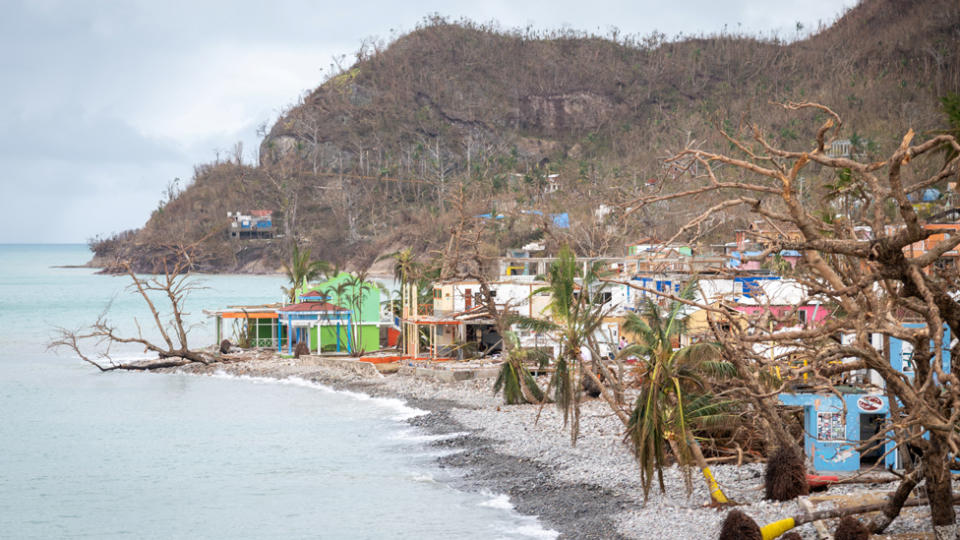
x,y
590,491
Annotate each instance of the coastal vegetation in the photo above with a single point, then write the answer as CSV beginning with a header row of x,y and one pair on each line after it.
x,y
300,270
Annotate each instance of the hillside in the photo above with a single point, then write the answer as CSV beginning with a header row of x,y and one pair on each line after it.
x,y
377,156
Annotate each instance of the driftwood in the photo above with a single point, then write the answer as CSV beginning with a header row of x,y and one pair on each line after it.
x,y
778,528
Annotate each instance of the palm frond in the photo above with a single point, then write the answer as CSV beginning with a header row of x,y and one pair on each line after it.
x,y
534,324
509,381
531,384
719,369
646,435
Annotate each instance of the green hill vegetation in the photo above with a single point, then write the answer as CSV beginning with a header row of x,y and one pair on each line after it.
x,y
457,119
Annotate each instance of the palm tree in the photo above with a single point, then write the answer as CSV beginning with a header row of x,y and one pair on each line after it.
x,y
675,396
405,270
577,314
301,270
514,379
350,293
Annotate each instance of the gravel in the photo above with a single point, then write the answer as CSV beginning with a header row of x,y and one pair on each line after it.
x,y
590,490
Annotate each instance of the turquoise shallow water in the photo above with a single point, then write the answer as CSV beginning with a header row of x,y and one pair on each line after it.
x,y
127,455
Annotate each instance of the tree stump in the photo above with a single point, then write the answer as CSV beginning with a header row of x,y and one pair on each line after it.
x,y
850,528
739,526
786,475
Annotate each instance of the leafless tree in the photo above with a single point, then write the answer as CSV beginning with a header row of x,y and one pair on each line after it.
x,y
169,289
858,264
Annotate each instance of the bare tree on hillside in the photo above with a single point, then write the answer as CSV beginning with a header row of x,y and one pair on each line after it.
x,y
878,269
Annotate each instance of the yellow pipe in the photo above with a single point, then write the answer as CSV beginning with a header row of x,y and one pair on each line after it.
x,y
777,528
715,491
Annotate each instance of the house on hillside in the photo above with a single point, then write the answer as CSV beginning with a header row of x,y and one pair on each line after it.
x,y
256,224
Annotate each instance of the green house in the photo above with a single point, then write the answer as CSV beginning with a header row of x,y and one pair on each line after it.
x,y
363,304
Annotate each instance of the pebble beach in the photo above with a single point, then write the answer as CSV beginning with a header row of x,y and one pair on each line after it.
x,y
590,490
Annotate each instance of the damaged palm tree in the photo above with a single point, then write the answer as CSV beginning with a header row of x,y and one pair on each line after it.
x,y
169,289
576,314
674,395
514,378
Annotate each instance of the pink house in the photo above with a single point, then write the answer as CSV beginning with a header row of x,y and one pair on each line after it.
x,y
780,297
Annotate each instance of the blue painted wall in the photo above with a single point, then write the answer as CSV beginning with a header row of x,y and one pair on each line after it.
x,y
833,453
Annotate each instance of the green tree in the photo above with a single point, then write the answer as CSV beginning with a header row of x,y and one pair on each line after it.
x,y
405,270
577,313
350,293
675,396
300,270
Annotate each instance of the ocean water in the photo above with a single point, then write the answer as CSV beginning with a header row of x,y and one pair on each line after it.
x,y
85,454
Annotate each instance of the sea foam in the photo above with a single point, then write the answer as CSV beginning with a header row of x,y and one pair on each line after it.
x,y
531,527
404,411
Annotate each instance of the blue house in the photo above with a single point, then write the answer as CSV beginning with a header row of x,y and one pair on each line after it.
x,y
835,426
311,320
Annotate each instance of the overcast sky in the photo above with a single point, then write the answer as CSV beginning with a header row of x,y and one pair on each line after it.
x,y
103,103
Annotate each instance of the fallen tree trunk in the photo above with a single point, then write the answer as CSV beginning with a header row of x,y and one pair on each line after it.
x,y
777,528
899,497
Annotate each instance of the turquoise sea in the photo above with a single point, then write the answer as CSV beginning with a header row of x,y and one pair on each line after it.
x,y
85,454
